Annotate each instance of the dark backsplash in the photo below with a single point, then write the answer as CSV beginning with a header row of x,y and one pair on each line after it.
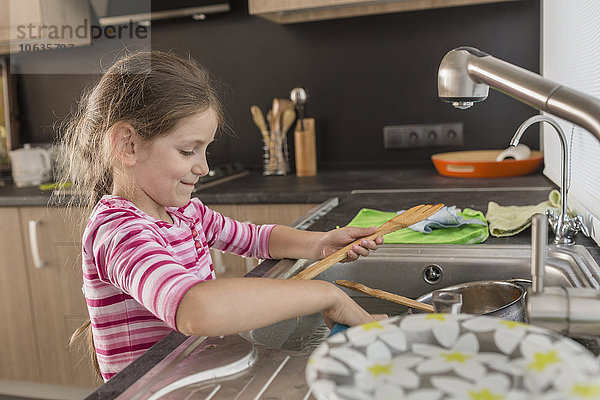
x,y
361,74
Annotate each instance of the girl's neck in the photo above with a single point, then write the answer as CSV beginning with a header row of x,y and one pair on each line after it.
x,y
147,205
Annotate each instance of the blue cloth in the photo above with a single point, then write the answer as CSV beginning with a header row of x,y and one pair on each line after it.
x,y
337,328
447,217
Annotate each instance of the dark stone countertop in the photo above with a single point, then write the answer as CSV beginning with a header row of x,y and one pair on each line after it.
x,y
387,190
257,189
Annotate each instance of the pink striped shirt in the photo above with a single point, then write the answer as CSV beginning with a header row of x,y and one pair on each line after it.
x,y
136,270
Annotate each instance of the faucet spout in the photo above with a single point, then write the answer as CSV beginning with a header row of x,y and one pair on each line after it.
x,y
564,227
564,175
466,74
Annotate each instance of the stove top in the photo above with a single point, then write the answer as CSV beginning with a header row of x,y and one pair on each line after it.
x,y
219,174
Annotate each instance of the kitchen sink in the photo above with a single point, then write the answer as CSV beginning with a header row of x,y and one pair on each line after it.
x,y
414,270
270,362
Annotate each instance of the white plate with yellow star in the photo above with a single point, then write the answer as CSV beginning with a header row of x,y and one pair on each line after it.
x,y
443,356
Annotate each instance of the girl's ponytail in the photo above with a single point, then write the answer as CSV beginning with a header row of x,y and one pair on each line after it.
x,y
86,330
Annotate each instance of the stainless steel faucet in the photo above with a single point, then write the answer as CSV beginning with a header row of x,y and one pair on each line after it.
x,y
466,73
465,76
563,226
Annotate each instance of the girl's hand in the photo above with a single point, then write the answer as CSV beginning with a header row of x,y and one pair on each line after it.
x,y
338,238
345,311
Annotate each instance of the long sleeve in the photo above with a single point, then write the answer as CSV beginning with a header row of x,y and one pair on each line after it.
x,y
229,235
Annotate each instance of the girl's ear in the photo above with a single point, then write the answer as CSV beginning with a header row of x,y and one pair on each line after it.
x,y
122,143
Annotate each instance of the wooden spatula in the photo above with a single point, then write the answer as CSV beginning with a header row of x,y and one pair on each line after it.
x,y
404,220
259,121
382,294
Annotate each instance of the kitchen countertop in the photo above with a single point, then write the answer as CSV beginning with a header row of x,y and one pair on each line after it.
x,y
256,189
385,189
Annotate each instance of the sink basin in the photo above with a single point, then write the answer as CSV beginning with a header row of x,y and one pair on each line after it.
x,y
414,270
264,367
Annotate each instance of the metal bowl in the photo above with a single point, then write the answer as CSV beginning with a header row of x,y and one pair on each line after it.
x,y
494,298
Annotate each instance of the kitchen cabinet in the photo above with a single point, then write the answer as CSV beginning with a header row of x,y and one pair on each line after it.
x,y
229,265
19,360
38,25
42,303
52,244
292,11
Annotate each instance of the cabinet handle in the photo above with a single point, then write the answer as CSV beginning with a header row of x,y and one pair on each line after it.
x,y
33,242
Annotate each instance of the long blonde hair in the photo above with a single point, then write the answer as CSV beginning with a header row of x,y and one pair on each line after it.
x,y
151,91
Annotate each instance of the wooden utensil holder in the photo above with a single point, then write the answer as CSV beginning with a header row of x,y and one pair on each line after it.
x,y
305,148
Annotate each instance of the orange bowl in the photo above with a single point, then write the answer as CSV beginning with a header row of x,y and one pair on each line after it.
x,y
483,164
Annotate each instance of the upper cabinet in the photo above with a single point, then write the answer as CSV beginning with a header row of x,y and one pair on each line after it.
x,y
38,25
292,11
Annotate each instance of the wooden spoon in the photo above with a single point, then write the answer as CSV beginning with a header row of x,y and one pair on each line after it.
x,y
285,104
382,294
277,135
259,121
404,220
272,143
276,115
270,119
287,119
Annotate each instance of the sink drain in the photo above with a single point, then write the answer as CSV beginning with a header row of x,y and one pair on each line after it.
x,y
432,273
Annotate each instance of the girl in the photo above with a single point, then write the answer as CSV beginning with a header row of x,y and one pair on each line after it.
x,y
134,150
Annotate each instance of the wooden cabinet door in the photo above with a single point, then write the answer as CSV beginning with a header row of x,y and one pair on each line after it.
x,y
58,302
281,214
18,13
293,11
19,359
42,23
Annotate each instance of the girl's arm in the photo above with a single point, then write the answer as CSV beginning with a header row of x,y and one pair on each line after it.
x,y
232,305
286,242
227,306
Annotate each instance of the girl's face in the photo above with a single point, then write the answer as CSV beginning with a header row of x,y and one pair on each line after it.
x,y
167,167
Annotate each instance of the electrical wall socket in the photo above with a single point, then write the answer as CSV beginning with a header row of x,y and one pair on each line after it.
x,y
430,135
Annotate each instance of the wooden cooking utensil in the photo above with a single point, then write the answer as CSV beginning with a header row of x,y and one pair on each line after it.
x,y
272,143
261,124
270,120
382,294
259,121
277,136
404,220
287,119
285,104
276,115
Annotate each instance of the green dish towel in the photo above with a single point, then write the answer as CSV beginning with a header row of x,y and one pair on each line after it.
x,y
464,234
510,220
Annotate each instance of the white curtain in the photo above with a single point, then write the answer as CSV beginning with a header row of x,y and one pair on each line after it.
x,y
571,56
